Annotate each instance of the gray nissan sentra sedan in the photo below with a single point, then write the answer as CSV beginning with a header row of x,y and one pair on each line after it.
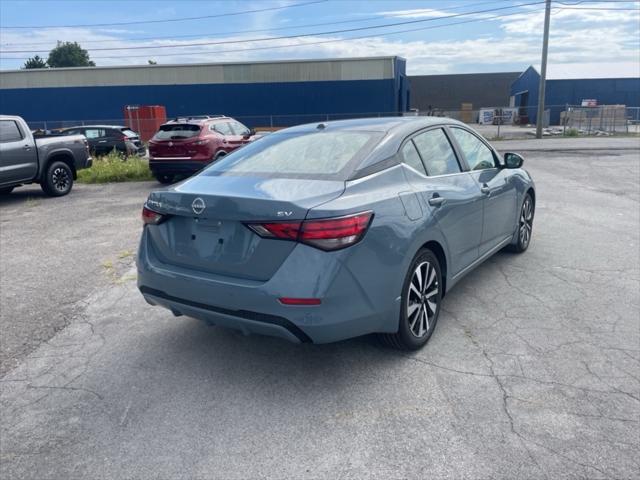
x,y
328,231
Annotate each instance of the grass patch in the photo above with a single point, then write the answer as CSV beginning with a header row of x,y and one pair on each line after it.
x,y
112,168
572,132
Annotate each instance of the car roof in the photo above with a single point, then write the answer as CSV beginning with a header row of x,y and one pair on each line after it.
x,y
399,125
120,127
199,119
392,132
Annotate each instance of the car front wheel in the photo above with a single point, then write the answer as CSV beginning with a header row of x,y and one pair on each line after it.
x,y
525,226
420,306
58,179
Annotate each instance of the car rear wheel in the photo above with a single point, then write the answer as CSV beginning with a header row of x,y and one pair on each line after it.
x,y
525,226
164,178
420,305
58,179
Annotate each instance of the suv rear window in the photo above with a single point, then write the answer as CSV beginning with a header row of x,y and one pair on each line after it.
x,y
317,154
177,131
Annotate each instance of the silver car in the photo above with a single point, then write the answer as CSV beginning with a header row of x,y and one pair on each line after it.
x,y
323,232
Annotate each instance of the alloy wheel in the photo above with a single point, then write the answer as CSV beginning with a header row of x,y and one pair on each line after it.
x,y
422,302
60,179
526,222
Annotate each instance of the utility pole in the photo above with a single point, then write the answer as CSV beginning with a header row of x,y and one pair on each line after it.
x,y
543,71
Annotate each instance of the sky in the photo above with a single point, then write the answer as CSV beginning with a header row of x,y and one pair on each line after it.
x,y
436,37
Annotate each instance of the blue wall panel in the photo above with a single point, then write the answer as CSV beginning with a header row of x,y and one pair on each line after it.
x,y
559,93
609,91
527,85
251,103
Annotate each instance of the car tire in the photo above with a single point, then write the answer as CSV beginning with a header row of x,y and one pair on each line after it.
x,y
164,178
58,179
218,156
6,191
420,303
525,226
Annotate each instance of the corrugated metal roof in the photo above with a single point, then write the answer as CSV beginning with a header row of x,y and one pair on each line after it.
x,y
366,68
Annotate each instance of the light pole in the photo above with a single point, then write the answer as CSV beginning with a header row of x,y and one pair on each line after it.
x,y
543,71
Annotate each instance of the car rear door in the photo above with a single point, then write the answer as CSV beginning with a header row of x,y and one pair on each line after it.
x,y
18,157
97,141
113,138
448,193
499,193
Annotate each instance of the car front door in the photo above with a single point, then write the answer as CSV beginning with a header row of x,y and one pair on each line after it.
x,y
495,183
448,193
18,158
242,131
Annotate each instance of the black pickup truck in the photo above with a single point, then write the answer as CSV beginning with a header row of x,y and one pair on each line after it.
x,y
51,161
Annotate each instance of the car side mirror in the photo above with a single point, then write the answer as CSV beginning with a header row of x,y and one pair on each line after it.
x,y
513,160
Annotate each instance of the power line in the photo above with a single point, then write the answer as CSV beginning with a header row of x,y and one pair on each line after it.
x,y
184,19
293,45
262,39
237,32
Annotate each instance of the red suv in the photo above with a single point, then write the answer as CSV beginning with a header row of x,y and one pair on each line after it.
x,y
186,145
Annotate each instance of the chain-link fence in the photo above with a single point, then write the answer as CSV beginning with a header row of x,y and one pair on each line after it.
x,y
493,122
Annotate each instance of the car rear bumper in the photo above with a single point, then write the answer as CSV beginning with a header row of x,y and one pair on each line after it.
x,y
175,165
251,306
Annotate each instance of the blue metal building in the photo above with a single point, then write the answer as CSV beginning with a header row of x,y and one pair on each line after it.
x,y
562,92
258,93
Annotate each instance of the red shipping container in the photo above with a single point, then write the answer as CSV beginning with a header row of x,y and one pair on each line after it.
x,y
145,119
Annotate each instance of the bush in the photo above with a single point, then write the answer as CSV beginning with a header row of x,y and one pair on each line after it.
x,y
572,132
113,168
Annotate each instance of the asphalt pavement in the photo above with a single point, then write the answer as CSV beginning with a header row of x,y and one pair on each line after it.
x,y
533,371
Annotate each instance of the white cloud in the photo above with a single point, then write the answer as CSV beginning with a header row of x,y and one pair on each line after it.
x,y
578,36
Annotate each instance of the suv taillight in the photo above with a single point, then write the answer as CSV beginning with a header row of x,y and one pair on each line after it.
x,y
325,234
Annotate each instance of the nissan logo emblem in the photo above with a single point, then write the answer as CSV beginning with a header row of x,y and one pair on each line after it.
x,y
198,206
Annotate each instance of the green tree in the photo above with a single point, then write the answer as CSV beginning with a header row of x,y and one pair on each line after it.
x,y
69,54
35,62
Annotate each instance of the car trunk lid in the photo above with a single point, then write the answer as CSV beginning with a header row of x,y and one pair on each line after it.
x,y
206,228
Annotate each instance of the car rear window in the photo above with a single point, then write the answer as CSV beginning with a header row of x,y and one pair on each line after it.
x,y
317,154
177,131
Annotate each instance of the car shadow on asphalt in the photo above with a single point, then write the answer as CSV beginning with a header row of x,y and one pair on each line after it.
x,y
190,348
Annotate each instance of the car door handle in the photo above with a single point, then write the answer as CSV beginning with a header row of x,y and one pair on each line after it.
x,y
102,141
436,201
486,190
27,147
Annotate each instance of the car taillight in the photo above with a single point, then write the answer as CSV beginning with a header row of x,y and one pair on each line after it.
x,y
150,217
124,138
325,233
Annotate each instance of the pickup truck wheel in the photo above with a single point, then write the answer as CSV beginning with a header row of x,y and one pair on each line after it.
x,y
6,191
58,180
